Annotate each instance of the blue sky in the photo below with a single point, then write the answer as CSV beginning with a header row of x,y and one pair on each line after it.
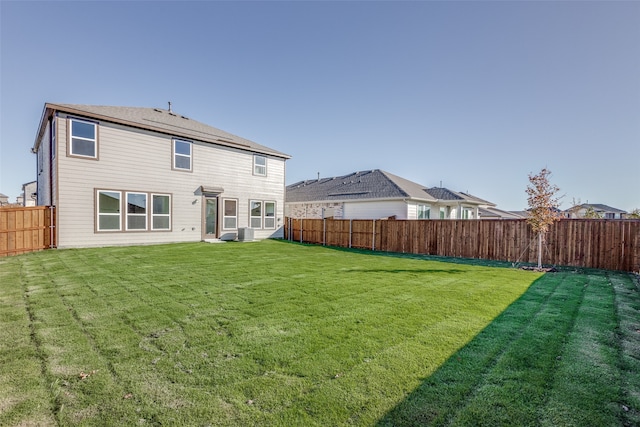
x,y
475,95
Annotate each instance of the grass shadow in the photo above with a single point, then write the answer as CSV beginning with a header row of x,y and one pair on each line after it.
x,y
533,365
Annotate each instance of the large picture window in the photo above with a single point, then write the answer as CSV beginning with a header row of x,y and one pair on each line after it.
x,y
230,214
109,218
132,211
259,165
84,140
182,155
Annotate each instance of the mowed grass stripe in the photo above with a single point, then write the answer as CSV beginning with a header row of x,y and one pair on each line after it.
x,y
586,385
25,397
627,301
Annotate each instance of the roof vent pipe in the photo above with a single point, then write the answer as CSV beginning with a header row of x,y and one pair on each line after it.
x,y
318,176
169,106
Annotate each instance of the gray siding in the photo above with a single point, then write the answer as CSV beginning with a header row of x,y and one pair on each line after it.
x,y
43,169
375,209
138,160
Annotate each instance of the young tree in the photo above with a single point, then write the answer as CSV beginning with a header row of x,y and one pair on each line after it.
x,y
591,213
635,214
543,206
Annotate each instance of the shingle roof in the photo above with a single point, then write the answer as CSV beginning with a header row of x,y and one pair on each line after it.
x,y
492,212
597,207
159,120
368,185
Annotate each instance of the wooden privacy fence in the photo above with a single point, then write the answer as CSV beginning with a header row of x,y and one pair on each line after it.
x,y
26,229
605,244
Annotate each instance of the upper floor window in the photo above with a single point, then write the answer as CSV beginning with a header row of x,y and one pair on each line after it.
x,y
182,155
259,165
84,140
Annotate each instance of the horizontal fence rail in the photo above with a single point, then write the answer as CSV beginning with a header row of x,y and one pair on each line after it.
x,y
589,243
26,229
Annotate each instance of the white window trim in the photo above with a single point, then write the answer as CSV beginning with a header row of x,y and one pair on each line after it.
x,y
251,216
174,155
257,167
99,214
427,209
123,214
265,217
94,140
144,215
225,216
154,215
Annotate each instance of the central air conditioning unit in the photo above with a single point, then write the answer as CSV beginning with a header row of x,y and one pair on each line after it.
x,y
245,234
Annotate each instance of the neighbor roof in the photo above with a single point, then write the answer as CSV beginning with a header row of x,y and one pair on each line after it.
x,y
367,185
159,120
596,207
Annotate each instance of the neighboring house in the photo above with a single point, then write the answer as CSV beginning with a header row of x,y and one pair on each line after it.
x,y
491,212
4,200
596,210
29,194
124,175
378,194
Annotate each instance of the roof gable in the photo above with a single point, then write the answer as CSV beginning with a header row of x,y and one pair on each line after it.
x,y
158,120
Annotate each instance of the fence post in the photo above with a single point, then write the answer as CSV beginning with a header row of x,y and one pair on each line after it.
x,y
301,221
350,231
52,219
324,231
373,243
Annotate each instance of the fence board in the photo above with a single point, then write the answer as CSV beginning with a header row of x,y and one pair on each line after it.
x,y
26,229
605,244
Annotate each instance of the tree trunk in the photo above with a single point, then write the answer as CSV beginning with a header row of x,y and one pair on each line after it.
x,y
539,250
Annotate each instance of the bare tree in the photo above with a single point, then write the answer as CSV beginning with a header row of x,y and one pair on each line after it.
x,y
543,206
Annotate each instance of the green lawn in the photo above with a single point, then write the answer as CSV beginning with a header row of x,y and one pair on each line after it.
x,y
278,333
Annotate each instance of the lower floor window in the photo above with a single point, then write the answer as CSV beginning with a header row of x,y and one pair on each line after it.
x,y
117,210
161,212
109,217
230,216
424,211
262,214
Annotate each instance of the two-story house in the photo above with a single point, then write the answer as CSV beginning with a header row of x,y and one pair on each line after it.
x,y
125,175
